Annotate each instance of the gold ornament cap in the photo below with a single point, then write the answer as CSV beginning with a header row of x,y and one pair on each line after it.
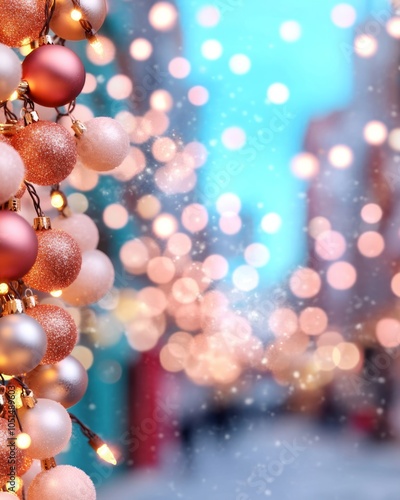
x,y
43,40
78,127
31,117
48,463
13,204
13,306
30,301
41,223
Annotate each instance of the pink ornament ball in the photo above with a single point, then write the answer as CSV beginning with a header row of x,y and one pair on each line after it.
x,y
95,279
65,27
49,426
12,171
10,72
7,496
63,482
55,75
18,246
81,227
104,145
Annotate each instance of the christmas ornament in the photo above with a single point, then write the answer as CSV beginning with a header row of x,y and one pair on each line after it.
x,y
58,261
60,328
49,427
8,449
47,150
65,382
55,75
22,343
66,19
21,21
12,171
18,246
103,144
81,227
63,482
10,72
95,279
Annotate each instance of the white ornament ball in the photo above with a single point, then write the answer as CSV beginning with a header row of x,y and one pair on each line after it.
x,y
12,170
95,280
10,72
104,145
81,227
49,427
63,482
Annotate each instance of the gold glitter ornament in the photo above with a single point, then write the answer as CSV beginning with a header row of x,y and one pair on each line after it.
x,y
8,449
48,151
58,262
60,328
21,21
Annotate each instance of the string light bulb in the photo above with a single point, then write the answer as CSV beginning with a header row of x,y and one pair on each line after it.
x,y
103,450
58,200
96,45
95,441
3,288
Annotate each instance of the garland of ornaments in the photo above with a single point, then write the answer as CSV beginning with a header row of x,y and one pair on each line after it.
x,y
39,379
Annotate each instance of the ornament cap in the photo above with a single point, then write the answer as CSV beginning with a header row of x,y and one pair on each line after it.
x,y
13,306
31,117
13,204
41,223
78,127
30,301
43,40
48,463
10,128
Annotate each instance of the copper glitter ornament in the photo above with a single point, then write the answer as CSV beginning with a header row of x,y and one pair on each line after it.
x,y
48,151
22,462
60,328
58,262
21,22
55,75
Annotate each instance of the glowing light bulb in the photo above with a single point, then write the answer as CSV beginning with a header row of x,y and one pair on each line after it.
x,y
58,200
106,454
96,45
23,441
56,293
3,288
76,15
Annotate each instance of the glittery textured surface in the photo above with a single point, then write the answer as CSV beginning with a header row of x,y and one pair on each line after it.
x,y
58,262
60,328
21,21
48,151
104,145
23,462
65,382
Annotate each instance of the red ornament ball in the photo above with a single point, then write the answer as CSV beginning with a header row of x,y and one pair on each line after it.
x,y
18,246
48,151
61,331
58,262
55,75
